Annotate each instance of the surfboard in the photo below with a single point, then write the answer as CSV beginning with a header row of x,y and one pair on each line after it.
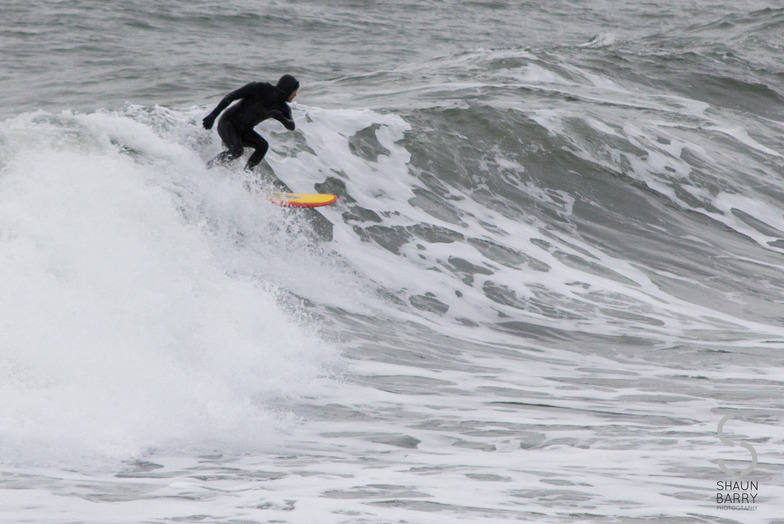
x,y
300,199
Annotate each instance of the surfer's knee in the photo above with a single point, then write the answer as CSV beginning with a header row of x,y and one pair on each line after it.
x,y
262,147
258,155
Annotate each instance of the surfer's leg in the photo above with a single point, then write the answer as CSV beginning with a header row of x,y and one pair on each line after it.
x,y
253,139
233,142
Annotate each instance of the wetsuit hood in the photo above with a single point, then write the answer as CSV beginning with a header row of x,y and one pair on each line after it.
x,y
287,85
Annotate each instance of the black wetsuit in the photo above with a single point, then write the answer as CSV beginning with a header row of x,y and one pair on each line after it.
x,y
258,101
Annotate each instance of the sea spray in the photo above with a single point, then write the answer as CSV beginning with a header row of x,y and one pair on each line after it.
x,y
121,332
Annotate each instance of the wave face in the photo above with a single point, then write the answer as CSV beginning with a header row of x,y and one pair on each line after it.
x,y
554,264
121,290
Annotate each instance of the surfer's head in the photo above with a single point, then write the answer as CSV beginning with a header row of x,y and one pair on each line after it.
x,y
288,86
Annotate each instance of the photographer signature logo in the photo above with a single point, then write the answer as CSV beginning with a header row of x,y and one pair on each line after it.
x,y
727,442
733,494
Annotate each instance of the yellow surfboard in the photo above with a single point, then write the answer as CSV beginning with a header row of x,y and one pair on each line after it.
x,y
300,199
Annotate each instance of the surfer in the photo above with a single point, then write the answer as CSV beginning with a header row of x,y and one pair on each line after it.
x,y
258,101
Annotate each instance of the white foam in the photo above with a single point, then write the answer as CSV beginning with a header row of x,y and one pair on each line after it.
x,y
146,289
122,328
742,135
384,185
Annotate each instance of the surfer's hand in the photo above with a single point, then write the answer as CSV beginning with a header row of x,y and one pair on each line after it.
x,y
283,119
208,121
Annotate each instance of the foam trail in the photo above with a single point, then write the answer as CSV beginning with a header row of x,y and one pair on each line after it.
x,y
121,331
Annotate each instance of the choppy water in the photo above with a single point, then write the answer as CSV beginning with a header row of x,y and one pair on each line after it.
x,y
553,268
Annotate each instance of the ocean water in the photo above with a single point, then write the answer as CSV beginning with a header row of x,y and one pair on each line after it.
x,y
551,289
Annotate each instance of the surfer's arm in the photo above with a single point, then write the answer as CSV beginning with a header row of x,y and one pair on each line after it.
x,y
284,117
242,92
